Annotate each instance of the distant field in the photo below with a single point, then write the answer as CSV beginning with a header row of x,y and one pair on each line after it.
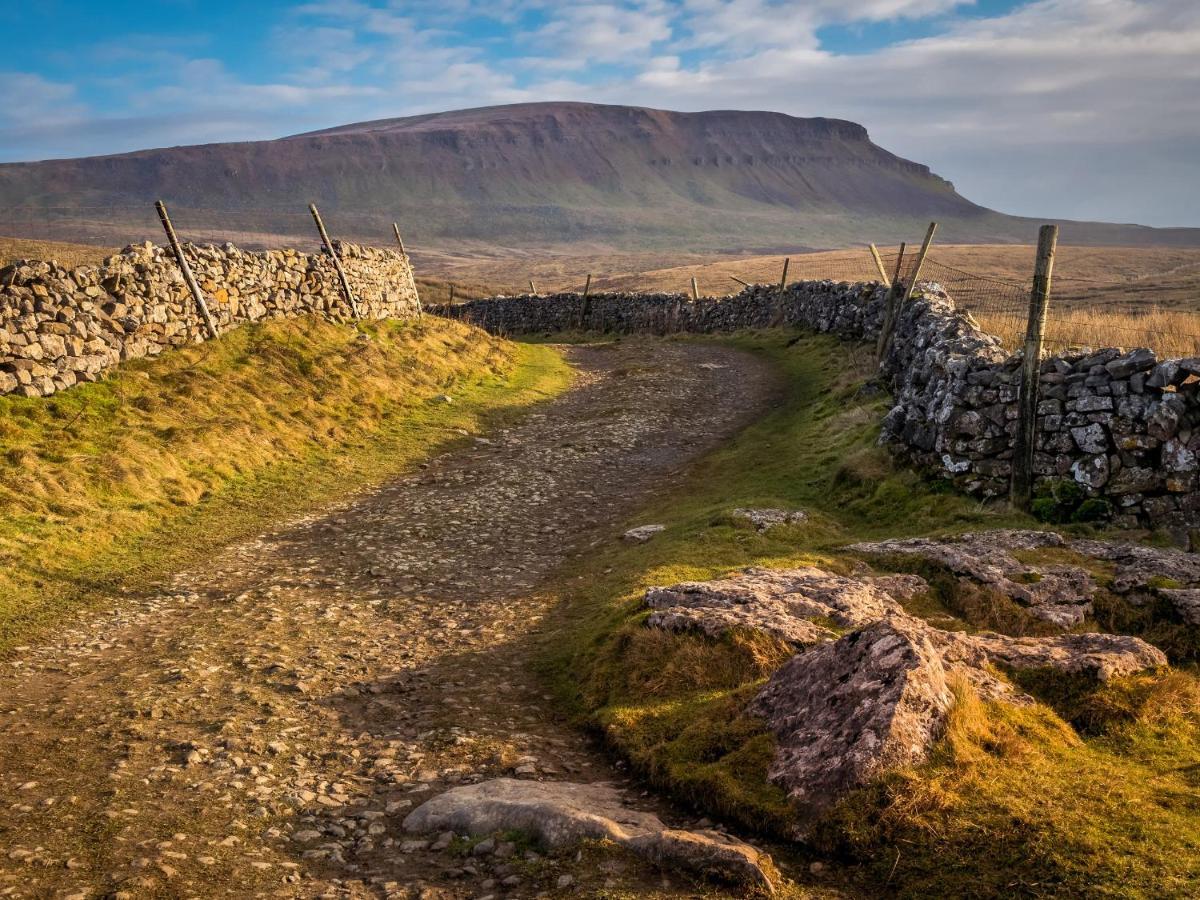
x,y
70,255
1102,296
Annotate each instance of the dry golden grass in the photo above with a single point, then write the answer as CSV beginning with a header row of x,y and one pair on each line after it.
x,y
1102,296
69,255
1170,332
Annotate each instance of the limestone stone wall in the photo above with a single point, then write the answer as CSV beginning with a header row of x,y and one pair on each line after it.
x,y
1121,428
62,326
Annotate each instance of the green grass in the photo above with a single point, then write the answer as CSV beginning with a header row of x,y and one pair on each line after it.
x,y
1015,801
109,485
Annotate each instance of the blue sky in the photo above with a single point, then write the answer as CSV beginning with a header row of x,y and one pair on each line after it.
x,y
1077,108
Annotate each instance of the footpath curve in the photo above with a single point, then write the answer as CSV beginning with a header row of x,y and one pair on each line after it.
x,y
261,725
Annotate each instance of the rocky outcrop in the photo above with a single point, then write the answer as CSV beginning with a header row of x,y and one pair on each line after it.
x,y
846,711
561,815
801,606
1058,592
59,327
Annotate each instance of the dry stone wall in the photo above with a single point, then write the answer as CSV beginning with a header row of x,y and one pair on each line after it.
x,y
1118,431
62,326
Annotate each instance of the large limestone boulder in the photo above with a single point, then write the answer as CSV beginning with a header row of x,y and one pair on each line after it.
x,y
560,815
846,711
802,606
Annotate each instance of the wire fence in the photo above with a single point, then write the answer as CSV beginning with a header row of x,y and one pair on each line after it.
x,y
1156,309
115,226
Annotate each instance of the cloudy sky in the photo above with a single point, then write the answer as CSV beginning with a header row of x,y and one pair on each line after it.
x,y
1075,108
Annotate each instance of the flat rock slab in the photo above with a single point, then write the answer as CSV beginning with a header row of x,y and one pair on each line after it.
x,y
798,605
1061,594
560,815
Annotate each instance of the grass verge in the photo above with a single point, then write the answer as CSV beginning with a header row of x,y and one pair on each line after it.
x,y
112,484
1015,801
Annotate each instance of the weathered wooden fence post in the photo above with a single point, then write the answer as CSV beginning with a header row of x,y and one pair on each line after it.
x,y
404,253
1031,364
739,281
337,263
695,289
188,278
783,277
883,277
889,305
532,289
585,307
901,293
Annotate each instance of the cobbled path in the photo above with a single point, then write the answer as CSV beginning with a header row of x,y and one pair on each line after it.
x,y
261,725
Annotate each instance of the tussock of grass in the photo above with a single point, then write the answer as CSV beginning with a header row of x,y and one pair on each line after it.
x,y
1015,801
110,483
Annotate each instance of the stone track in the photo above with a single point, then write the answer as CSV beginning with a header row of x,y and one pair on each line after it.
x,y
260,725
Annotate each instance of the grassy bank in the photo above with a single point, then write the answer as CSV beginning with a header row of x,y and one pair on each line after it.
x,y
108,485
1014,801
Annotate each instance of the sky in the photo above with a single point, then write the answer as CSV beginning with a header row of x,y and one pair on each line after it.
x,y
1085,109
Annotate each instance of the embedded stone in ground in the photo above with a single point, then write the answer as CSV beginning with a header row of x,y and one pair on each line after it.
x,y
766,519
1097,656
1060,594
802,606
561,815
642,533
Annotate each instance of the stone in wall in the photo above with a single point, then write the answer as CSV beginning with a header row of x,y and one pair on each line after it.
x,y
1121,427
59,327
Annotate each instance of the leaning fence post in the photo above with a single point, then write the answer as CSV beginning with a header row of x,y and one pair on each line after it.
x,y
404,253
695,289
889,305
532,289
897,298
337,263
783,277
189,279
883,278
1027,399
585,307
912,282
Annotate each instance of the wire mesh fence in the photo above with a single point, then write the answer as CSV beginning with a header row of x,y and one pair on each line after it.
x,y
1085,314
115,226
1137,308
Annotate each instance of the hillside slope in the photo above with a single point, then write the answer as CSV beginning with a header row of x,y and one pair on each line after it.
x,y
539,174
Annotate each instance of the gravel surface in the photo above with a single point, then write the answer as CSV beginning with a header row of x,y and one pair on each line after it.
x,y
261,725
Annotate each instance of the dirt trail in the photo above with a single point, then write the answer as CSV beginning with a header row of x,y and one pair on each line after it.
x,y
260,726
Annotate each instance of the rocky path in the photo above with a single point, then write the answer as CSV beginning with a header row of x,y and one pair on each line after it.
x,y
260,726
